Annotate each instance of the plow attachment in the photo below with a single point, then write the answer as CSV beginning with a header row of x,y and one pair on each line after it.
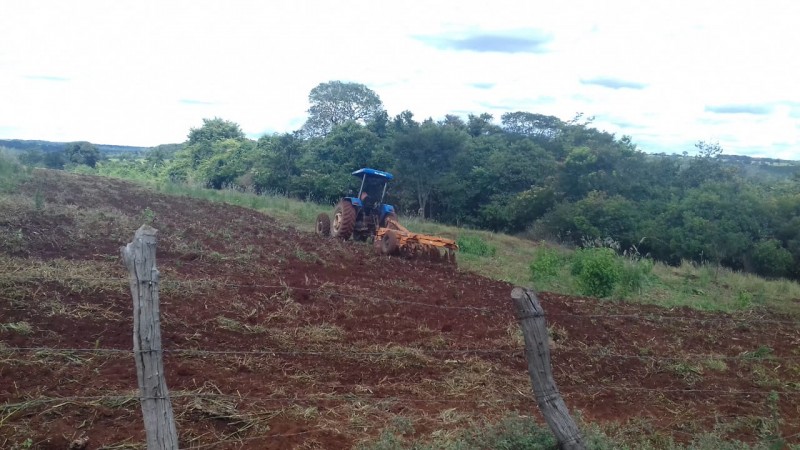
x,y
395,239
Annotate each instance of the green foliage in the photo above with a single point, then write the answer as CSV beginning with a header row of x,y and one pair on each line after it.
x,y
547,263
597,271
634,276
148,216
532,125
515,432
549,178
213,130
336,103
24,445
82,153
475,245
11,173
423,152
595,216
770,259
510,434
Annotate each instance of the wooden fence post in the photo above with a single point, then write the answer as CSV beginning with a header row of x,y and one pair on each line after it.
x,y
537,352
139,257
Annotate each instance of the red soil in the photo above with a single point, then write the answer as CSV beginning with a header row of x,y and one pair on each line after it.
x,y
321,315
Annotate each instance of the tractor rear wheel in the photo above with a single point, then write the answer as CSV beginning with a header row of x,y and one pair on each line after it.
x,y
323,225
344,220
389,243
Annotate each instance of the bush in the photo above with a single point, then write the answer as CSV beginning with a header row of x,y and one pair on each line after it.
x,y
597,271
770,259
546,264
11,172
475,245
510,434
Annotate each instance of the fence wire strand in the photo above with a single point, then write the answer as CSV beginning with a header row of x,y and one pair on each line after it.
x,y
501,311
747,357
336,292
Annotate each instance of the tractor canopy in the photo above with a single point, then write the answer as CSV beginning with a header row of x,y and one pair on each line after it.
x,y
370,173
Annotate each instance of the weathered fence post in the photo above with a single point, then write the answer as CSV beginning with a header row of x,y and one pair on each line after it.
x,y
537,352
139,257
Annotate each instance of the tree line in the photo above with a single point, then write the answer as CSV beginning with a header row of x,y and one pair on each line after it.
x,y
531,174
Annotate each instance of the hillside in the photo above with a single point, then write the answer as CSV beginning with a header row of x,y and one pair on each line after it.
x,y
50,146
277,339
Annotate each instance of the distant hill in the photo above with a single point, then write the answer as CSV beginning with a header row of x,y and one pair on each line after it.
x,y
754,167
49,146
763,167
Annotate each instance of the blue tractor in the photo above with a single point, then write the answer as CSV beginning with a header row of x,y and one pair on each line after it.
x,y
360,216
366,216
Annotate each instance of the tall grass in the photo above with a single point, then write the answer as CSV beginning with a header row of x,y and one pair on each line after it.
x,y
11,172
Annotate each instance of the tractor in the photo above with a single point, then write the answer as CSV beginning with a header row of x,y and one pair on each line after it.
x,y
366,216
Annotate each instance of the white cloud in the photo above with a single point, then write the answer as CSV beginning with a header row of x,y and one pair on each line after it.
x,y
144,72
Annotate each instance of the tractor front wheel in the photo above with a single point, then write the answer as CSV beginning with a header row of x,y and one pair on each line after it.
x,y
389,243
390,216
344,220
323,225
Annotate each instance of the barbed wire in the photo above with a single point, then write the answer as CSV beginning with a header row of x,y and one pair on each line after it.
x,y
350,397
230,439
253,438
753,356
328,289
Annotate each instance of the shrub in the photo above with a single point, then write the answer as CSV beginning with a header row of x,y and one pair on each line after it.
x,y
511,433
11,172
475,245
597,271
546,264
771,259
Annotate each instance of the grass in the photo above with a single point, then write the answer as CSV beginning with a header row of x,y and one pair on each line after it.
x,y
523,432
11,172
17,327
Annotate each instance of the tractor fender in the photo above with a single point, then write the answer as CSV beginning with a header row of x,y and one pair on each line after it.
x,y
386,209
355,201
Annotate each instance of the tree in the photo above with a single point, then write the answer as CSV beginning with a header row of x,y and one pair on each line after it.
x,y
216,139
532,125
215,129
327,164
770,259
82,153
481,125
200,145
424,153
278,166
336,102
228,162
706,166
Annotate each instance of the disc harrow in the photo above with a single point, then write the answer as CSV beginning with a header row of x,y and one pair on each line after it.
x,y
395,239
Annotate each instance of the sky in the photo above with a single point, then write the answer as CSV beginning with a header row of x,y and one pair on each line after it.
x,y
143,73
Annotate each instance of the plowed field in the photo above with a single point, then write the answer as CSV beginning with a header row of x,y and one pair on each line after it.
x,y
275,338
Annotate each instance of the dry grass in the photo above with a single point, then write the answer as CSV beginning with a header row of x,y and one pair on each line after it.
x,y
396,356
22,327
288,310
233,325
320,334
